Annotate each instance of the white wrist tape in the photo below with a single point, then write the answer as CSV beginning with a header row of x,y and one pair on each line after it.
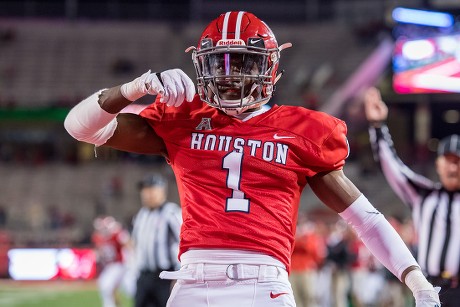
x,y
416,281
379,236
88,122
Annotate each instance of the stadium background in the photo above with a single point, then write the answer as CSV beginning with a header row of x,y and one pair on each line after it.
x,y
53,53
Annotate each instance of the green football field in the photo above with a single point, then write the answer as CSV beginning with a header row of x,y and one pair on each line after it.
x,y
52,294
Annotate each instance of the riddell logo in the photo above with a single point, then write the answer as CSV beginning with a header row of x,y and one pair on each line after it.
x,y
229,42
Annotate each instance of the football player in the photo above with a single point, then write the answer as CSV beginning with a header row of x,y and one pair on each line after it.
x,y
240,167
109,239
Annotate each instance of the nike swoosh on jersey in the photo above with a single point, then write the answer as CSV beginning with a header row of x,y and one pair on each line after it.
x,y
253,41
279,137
275,295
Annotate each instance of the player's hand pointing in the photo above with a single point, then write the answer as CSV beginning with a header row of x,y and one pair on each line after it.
x,y
173,85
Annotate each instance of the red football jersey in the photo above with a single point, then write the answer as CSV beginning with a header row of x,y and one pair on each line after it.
x,y
109,246
239,181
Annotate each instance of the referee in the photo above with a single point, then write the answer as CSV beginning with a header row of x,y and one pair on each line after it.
x,y
156,239
435,207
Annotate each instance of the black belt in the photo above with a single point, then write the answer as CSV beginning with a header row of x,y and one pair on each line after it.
x,y
150,272
443,282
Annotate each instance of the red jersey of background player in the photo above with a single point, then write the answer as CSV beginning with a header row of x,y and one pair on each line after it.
x,y
220,163
109,240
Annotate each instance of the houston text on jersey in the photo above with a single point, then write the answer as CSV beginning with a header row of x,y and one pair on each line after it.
x,y
268,151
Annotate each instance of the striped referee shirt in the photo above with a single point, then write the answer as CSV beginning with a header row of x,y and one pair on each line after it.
x,y
156,237
435,211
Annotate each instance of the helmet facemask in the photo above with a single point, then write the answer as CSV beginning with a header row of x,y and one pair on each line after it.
x,y
234,79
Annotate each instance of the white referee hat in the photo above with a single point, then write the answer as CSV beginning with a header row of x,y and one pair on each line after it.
x,y
449,145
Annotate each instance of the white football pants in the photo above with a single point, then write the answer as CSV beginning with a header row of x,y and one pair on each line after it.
x,y
234,285
108,282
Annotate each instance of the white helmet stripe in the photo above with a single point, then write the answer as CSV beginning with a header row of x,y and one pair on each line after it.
x,y
224,30
237,26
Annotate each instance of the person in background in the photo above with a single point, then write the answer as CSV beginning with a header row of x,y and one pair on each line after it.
x,y
109,239
240,167
435,206
308,256
3,217
155,236
398,294
339,258
366,274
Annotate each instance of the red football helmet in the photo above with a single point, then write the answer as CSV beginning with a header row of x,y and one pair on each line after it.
x,y
236,61
106,225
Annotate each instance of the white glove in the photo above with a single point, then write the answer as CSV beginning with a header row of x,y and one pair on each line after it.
x,y
174,87
427,298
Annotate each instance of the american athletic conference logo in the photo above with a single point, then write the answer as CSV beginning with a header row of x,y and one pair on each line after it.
x,y
205,124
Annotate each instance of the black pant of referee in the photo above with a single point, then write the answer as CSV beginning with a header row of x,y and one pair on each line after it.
x,y
152,291
450,290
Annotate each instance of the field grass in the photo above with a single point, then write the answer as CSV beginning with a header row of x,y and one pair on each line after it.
x,y
52,294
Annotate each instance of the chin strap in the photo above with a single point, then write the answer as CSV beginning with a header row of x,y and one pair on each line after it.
x,y
243,102
281,48
278,77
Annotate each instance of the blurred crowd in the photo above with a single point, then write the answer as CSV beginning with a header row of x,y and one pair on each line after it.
x,y
332,267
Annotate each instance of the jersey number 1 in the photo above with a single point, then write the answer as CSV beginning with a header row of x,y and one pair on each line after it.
x,y
232,162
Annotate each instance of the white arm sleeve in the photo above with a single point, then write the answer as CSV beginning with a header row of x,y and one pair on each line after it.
x,y
379,236
89,123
